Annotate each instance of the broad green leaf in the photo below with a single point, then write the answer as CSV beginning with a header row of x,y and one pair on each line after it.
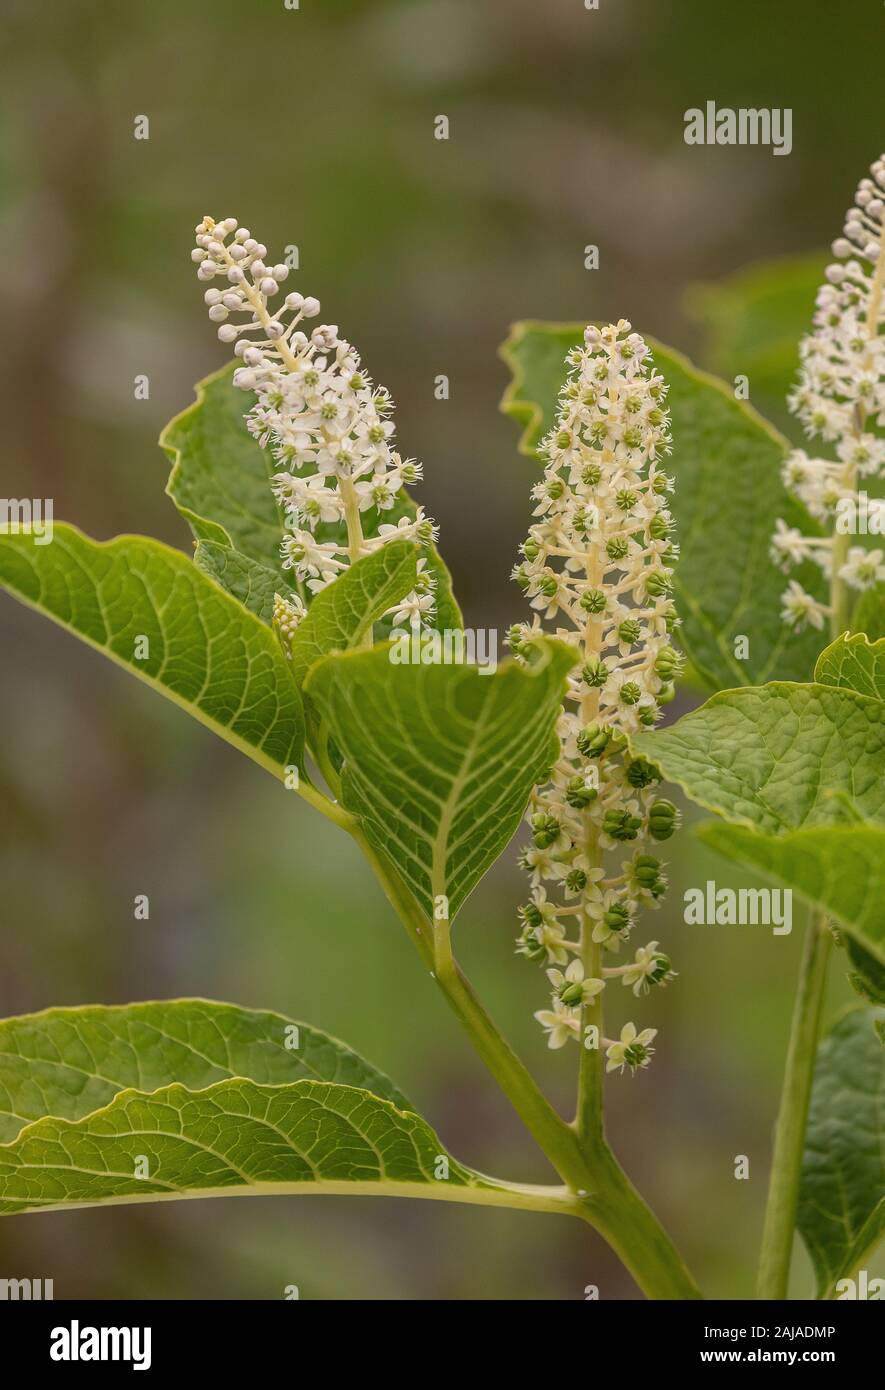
x,y
754,321
842,1194
727,467
220,478
869,613
249,581
67,1063
855,662
779,756
205,651
343,612
839,869
220,483
237,1136
440,759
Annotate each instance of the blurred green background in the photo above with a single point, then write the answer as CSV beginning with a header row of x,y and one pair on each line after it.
x,y
315,127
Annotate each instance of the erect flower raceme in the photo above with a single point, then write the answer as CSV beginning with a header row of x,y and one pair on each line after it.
x,y
840,398
598,564
320,416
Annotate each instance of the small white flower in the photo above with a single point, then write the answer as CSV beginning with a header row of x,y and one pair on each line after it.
x,y
799,607
560,1023
632,1050
572,988
540,863
863,568
309,558
648,963
788,545
549,936
413,610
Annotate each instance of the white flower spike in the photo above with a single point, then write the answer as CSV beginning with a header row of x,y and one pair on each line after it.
x,y
840,399
598,564
317,412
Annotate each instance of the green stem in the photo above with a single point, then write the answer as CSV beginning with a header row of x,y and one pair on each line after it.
x,y
789,1139
789,1136
605,1198
551,1133
589,1120
634,1233
840,595
330,809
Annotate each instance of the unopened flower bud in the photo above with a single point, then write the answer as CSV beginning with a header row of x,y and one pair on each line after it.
x,y
545,830
621,825
663,819
593,740
640,773
580,793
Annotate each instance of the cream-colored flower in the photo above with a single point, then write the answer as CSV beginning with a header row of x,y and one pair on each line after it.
x,y
560,1023
572,988
632,1050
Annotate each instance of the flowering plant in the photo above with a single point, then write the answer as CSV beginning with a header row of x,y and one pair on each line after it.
x,y
310,556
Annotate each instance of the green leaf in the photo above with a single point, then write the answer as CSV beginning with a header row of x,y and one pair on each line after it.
x,y
220,479
869,613
440,759
343,612
854,662
221,484
779,756
755,319
251,583
67,1063
237,1136
206,652
727,466
841,1202
839,869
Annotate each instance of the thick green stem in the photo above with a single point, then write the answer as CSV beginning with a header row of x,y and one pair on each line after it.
x,y
789,1139
629,1226
605,1198
556,1138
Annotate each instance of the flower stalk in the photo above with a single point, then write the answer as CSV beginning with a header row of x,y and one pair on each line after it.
x,y
598,563
840,399
319,414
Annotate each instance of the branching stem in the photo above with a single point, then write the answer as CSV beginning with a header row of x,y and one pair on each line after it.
x,y
599,1192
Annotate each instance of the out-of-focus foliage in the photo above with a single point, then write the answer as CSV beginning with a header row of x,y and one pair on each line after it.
x,y
752,322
